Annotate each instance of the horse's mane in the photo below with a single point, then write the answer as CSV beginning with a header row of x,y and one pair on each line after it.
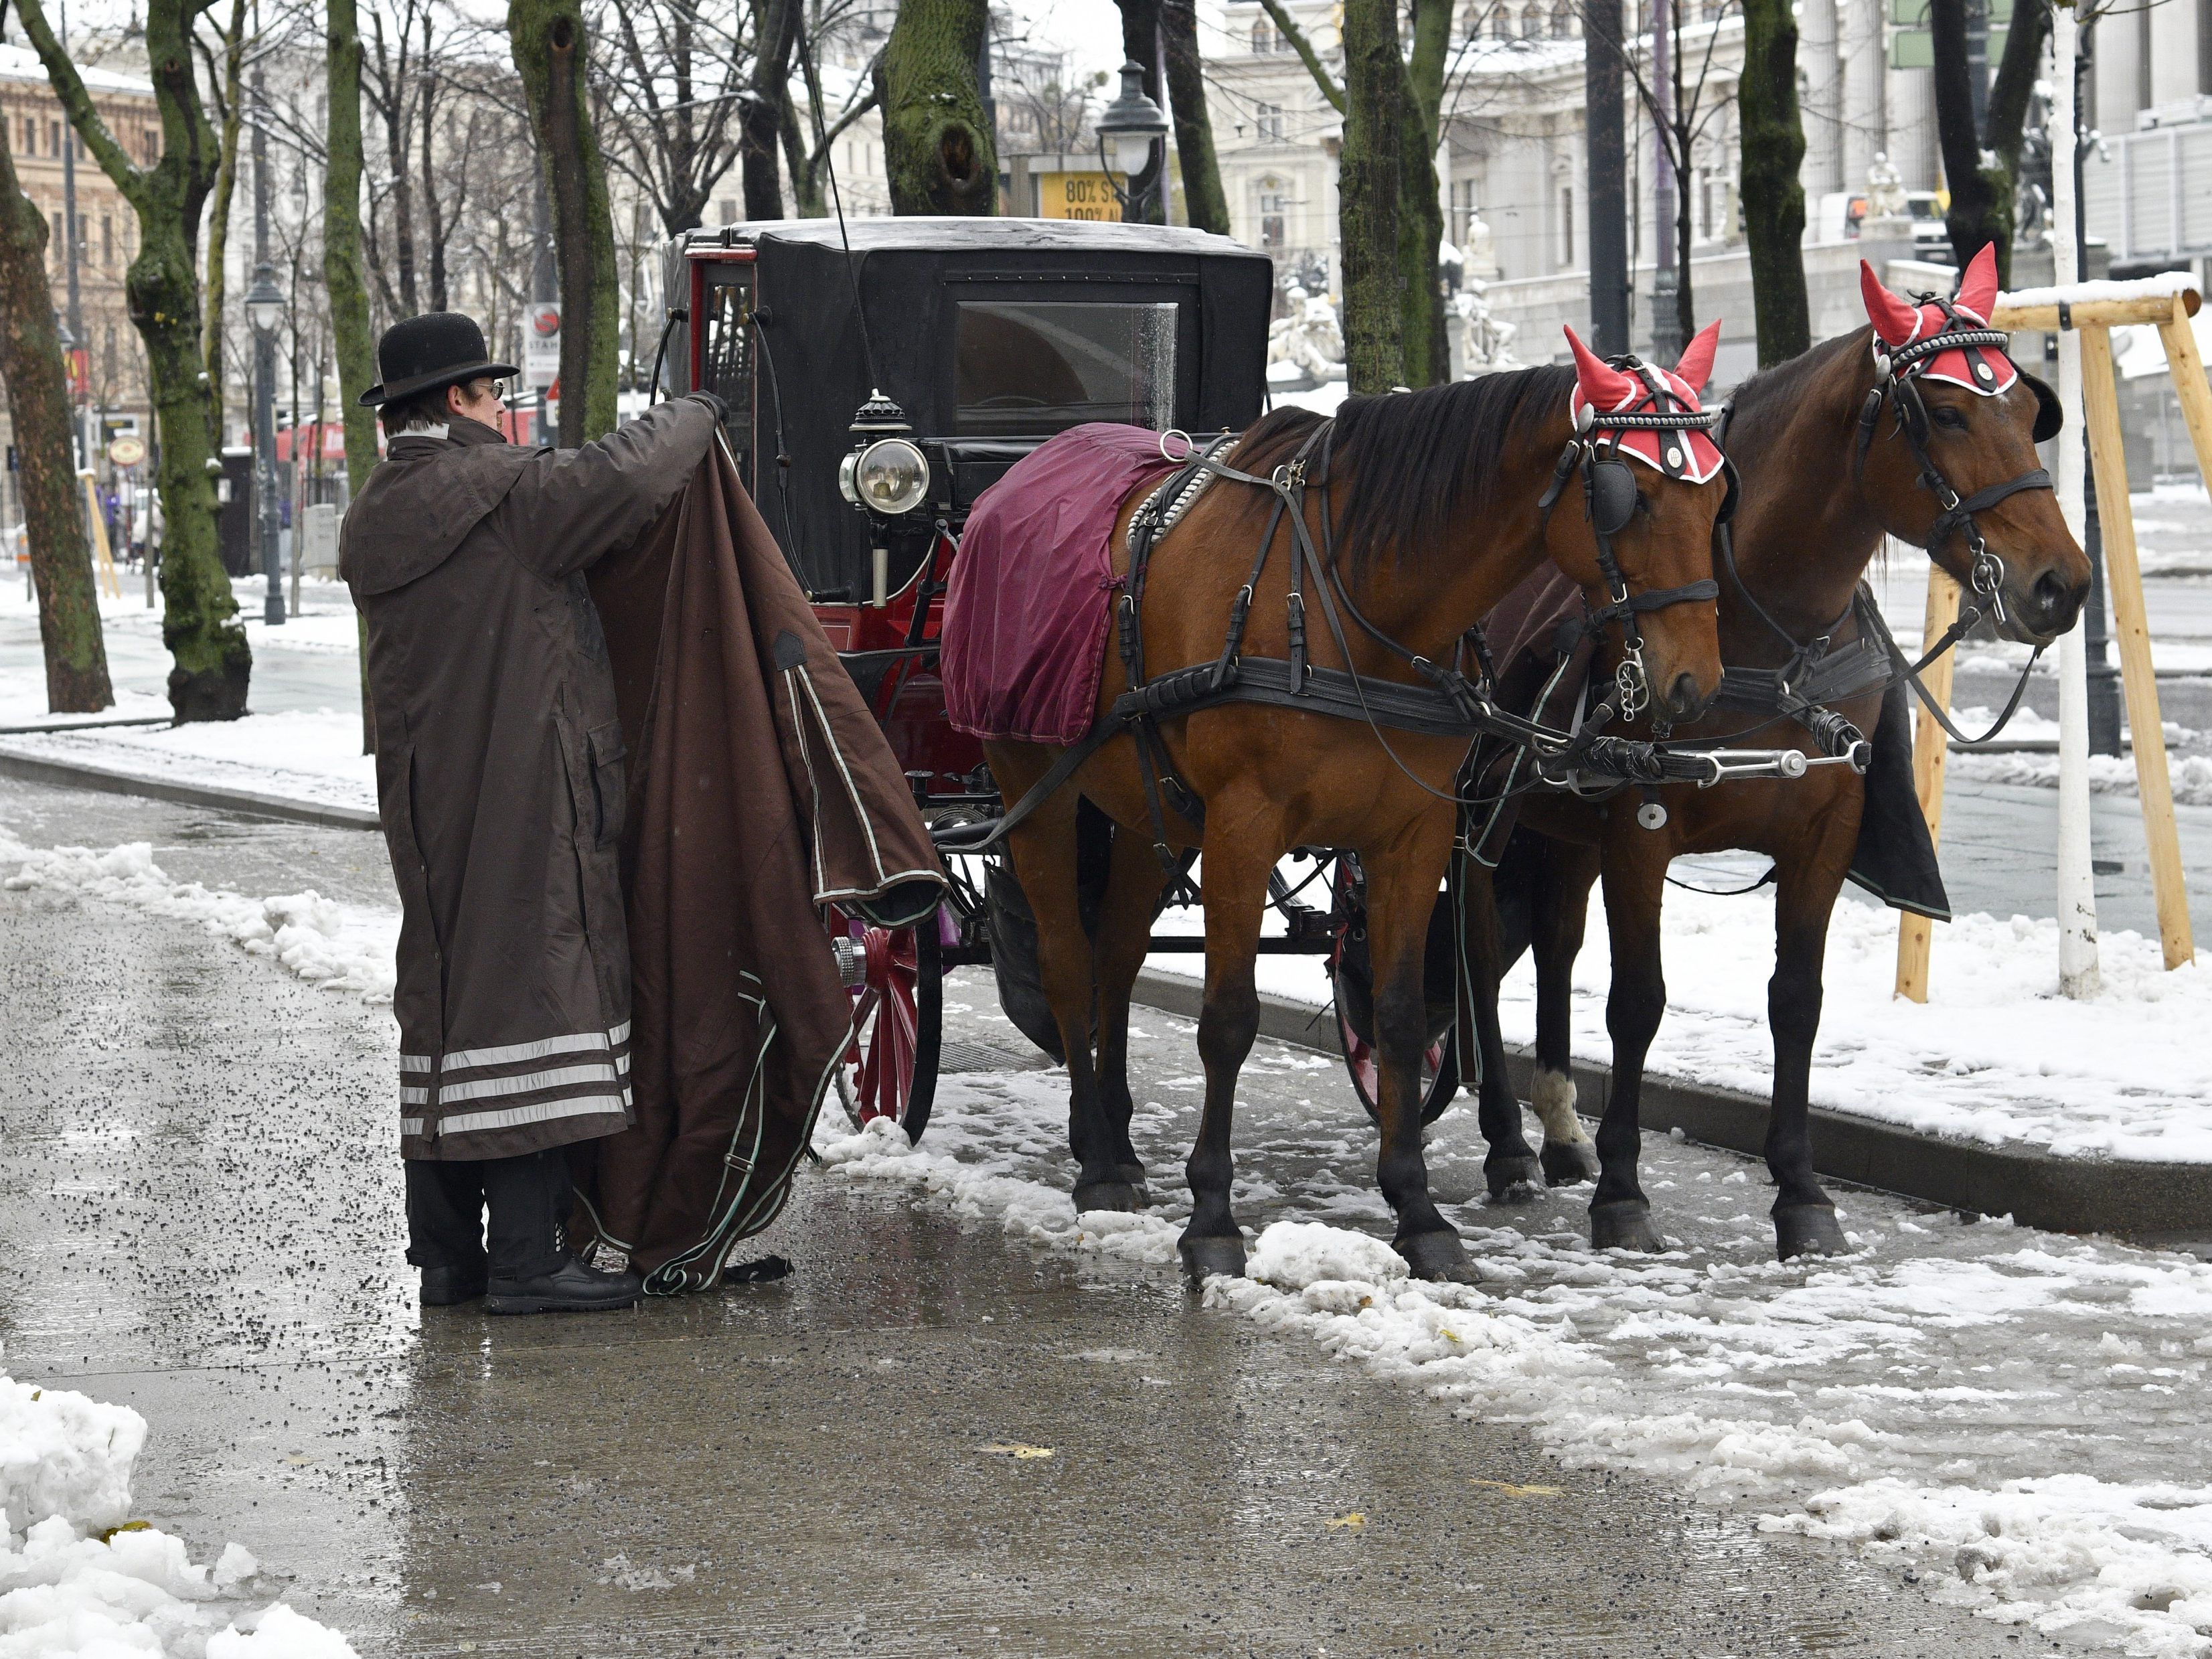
x,y
1417,462
1782,386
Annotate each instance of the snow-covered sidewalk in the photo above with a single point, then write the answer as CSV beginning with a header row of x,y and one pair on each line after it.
x,y
2012,1420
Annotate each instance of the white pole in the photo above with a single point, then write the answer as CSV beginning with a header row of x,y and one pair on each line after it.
x,y
2077,891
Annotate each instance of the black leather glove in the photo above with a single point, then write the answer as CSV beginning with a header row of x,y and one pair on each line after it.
x,y
715,402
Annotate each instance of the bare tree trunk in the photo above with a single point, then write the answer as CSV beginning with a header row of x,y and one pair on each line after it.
x,y
775,28
343,277
226,186
939,154
1982,196
199,622
548,44
1773,147
1203,199
1370,197
38,397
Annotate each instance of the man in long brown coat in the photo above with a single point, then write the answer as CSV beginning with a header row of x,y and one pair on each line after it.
x,y
499,779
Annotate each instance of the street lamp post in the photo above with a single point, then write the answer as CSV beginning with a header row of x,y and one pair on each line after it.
x,y
1128,128
264,309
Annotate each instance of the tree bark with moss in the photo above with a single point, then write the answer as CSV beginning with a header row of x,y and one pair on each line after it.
x,y
549,43
1983,167
345,276
1410,92
939,154
1773,132
1369,195
38,397
199,622
1205,204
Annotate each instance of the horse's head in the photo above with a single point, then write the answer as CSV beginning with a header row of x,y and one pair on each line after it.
x,y
1651,484
1946,453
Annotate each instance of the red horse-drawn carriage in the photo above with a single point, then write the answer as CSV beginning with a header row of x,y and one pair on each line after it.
x,y
874,393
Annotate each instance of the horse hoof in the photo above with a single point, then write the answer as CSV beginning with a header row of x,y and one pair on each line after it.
x,y
1133,1174
1206,1254
1808,1229
1623,1225
1568,1162
1437,1255
1505,1174
1120,1195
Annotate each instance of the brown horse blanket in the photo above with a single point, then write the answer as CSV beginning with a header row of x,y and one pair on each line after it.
x,y
760,788
1544,656
1031,601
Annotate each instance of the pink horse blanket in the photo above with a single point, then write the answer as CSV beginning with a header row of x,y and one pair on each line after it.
x,y
1031,603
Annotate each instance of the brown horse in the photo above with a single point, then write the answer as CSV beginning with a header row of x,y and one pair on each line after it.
x,y
1432,510
1817,498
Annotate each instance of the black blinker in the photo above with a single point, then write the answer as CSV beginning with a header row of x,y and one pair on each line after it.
x,y
2049,419
1612,496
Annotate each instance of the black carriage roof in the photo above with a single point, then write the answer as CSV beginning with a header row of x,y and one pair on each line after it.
x,y
922,234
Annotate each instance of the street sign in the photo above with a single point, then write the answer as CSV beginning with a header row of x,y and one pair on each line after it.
x,y
1078,196
126,450
541,345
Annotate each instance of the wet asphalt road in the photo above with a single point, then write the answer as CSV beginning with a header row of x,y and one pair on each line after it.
x,y
199,1201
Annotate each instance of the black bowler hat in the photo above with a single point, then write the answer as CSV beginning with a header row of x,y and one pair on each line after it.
x,y
438,349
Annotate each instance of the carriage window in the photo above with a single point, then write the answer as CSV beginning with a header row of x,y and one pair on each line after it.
x,y
1026,370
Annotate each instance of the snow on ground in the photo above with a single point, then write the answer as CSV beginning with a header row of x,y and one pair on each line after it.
x,y
78,1577
2016,1418
1996,1055
2109,774
306,756
338,947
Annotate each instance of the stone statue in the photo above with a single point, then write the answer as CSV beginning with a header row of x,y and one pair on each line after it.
x,y
1309,335
1485,340
1885,198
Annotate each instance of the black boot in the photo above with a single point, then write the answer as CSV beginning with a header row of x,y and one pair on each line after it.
x,y
572,1287
447,1287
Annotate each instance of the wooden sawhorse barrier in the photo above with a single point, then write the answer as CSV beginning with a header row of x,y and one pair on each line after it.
x,y
2094,319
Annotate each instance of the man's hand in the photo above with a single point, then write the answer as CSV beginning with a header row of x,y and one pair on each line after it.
x,y
715,402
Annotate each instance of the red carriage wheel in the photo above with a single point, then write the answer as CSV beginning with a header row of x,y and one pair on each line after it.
x,y
1439,1068
889,1069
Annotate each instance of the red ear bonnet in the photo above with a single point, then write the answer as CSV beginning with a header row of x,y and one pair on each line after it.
x,y
1602,390
1597,382
1977,288
1697,365
1897,322
1894,321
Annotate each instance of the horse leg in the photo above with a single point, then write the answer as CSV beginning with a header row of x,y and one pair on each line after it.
x,y
1635,884
1561,911
1510,1163
1239,851
1125,931
1043,850
1804,1217
1401,895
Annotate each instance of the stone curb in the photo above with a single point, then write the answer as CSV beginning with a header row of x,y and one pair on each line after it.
x,y
87,774
2149,1202
2153,1203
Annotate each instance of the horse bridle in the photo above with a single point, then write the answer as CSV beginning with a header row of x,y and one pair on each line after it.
x,y
1896,372
1609,499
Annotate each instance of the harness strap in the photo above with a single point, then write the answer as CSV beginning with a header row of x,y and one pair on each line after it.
x,y
1962,515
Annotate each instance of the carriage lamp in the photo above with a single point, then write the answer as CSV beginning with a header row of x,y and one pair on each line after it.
x,y
890,476
1129,127
886,474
